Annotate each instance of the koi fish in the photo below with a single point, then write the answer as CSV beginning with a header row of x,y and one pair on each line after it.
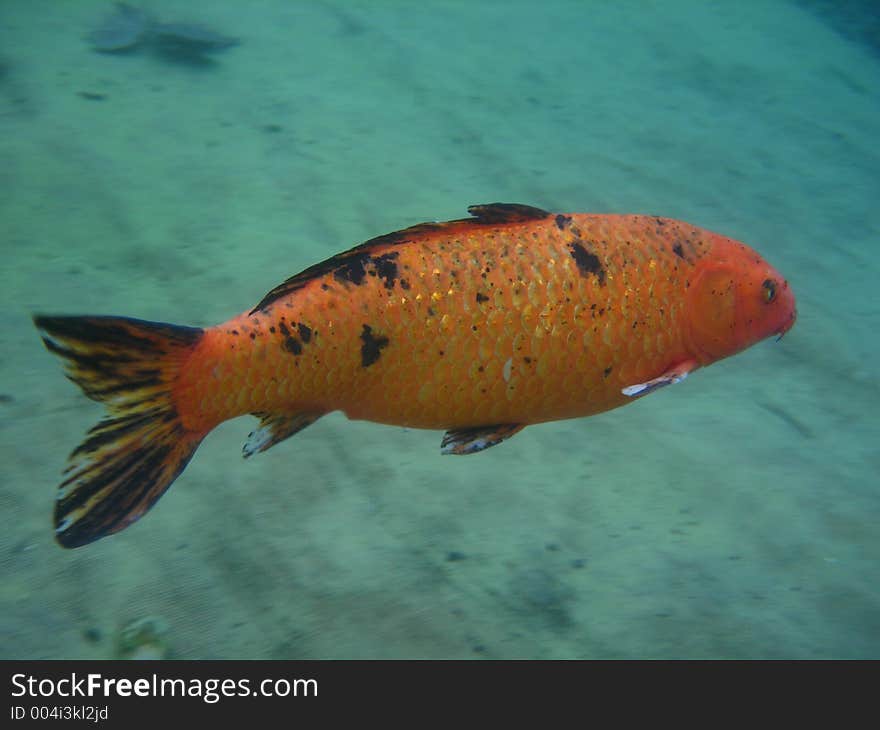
x,y
478,327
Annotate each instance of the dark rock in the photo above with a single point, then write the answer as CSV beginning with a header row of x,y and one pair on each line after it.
x,y
190,38
128,28
121,30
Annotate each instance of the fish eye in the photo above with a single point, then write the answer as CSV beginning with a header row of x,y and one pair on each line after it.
x,y
769,290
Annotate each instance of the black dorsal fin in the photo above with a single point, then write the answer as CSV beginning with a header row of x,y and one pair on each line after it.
x,y
506,213
355,258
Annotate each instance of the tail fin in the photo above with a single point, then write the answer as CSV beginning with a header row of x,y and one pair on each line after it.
x,y
131,457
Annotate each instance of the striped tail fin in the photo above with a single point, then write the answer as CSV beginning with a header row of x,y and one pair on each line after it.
x,y
130,458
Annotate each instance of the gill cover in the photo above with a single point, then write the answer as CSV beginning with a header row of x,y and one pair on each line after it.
x,y
712,314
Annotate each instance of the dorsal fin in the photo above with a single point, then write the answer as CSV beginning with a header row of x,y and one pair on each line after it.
x,y
506,213
355,258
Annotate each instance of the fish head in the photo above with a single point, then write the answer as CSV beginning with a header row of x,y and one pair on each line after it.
x,y
735,300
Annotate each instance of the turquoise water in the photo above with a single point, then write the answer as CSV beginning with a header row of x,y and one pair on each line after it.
x,y
734,515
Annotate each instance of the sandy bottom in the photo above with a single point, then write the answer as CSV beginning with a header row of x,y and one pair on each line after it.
x,y
734,515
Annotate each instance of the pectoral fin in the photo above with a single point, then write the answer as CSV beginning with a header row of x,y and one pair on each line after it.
x,y
675,374
471,440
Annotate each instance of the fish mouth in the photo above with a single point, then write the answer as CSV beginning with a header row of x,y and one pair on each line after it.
x,y
787,326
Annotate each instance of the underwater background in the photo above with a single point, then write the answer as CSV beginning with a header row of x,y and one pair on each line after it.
x,y
734,515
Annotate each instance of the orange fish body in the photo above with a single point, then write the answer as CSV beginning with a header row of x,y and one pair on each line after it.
x,y
478,327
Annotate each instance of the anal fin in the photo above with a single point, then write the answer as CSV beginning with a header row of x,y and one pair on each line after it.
x,y
275,427
675,374
471,440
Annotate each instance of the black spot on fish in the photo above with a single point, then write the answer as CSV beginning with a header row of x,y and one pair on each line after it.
x,y
587,263
404,284
305,333
481,298
358,267
678,250
372,346
352,271
607,371
292,345
386,268
563,221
